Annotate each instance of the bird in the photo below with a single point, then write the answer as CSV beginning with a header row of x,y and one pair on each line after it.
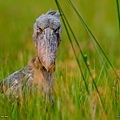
x,y
40,70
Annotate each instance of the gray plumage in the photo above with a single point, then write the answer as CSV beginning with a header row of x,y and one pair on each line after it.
x,y
40,71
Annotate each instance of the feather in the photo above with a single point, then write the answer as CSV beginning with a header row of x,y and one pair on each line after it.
x,y
40,71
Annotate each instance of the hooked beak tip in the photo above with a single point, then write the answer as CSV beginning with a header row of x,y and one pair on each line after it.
x,y
48,66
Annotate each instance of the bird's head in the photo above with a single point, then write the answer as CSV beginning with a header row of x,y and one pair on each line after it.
x,y
47,37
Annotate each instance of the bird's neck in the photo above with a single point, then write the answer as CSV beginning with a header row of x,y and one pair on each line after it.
x,y
42,77
36,64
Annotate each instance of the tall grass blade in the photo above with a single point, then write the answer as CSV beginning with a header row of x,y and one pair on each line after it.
x,y
58,5
118,12
95,40
64,20
91,35
80,52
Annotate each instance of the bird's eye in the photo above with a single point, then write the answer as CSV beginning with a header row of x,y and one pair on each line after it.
x,y
57,29
40,29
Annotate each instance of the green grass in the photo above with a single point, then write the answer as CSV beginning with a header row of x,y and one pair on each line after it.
x,y
86,84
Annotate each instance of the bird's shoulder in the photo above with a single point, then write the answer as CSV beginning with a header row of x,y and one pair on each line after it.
x,y
18,76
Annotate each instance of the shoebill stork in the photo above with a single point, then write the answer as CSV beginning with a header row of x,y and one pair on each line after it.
x,y
40,71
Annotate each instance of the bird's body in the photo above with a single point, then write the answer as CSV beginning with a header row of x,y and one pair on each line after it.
x,y
40,71
34,75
